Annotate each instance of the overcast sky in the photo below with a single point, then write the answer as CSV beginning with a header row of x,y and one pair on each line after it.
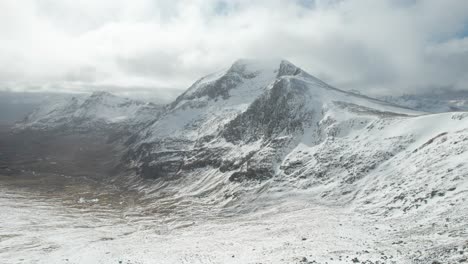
x,y
376,46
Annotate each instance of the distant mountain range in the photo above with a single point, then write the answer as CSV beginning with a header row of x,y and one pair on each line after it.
x,y
433,102
88,113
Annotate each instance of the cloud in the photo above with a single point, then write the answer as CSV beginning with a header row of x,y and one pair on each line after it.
x,y
386,46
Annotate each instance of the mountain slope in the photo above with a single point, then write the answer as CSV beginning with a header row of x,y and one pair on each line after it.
x,y
99,110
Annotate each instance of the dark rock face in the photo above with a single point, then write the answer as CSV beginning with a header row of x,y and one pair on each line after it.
x,y
281,111
252,174
204,157
161,168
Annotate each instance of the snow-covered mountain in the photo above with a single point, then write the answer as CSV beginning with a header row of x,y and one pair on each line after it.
x,y
255,132
249,121
15,106
261,132
433,102
98,110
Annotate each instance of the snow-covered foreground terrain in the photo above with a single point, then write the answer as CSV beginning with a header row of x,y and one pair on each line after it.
x,y
75,221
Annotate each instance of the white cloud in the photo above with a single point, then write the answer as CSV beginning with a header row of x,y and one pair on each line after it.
x,y
379,46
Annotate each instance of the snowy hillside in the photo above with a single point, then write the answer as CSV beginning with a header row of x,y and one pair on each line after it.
x,y
266,139
100,109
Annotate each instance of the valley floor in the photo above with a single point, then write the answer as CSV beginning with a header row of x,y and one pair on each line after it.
x,y
52,219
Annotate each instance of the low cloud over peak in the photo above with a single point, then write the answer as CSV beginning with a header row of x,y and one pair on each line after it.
x,y
378,47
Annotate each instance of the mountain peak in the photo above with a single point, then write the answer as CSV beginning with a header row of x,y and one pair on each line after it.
x,y
101,94
260,64
287,68
281,66
244,76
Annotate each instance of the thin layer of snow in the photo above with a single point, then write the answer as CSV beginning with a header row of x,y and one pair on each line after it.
x,y
39,229
86,110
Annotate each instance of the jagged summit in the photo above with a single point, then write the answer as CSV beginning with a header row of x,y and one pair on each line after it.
x,y
281,67
246,74
246,79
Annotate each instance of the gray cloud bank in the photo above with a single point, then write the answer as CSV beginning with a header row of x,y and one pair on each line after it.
x,y
375,46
